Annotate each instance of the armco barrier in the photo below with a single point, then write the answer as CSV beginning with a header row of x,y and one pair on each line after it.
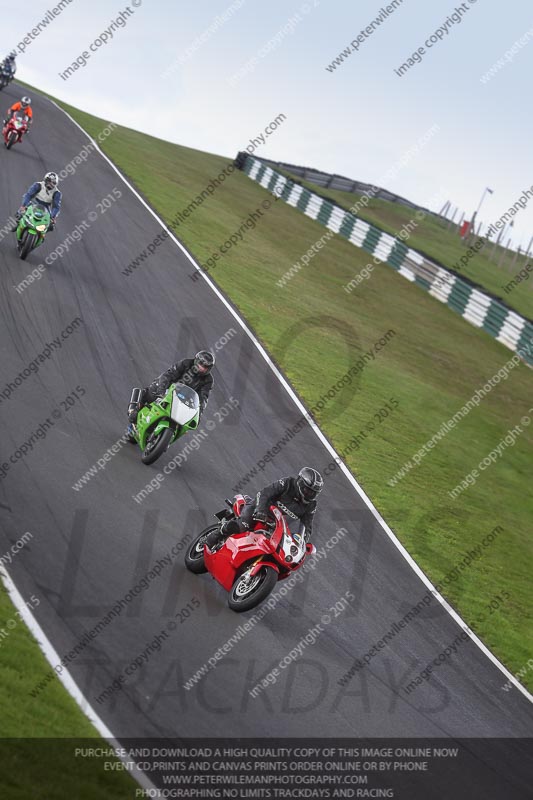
x,y
505,325
327,180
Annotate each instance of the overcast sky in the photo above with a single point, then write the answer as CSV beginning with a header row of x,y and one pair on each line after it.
x,y
358,120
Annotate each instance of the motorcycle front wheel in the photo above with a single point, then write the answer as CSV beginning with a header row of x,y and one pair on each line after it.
x,y
27,245
247,592
11,140
157,445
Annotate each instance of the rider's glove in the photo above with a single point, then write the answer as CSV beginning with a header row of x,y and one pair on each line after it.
x,y
160,386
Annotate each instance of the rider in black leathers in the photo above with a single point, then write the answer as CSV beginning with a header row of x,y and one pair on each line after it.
x,y
194,372
295,497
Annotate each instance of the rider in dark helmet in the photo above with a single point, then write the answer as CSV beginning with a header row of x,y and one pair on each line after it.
x,y
194,372
295,497
9,66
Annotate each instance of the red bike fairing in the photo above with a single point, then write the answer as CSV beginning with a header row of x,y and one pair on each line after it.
x,y
10,128
225,564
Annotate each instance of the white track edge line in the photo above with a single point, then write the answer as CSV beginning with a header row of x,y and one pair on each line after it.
x,y
53,658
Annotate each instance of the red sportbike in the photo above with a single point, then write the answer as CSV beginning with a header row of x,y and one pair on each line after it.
x,y
15,129
248,565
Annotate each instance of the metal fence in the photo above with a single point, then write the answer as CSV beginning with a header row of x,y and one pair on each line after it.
x,y
473,304
332,181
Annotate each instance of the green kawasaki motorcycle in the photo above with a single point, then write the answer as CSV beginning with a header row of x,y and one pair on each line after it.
x,y
166,419
32,229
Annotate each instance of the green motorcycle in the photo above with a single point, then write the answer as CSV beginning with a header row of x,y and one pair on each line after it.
x,y
32,229
160,423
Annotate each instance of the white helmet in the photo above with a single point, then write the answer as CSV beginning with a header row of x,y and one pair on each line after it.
x,y
50,180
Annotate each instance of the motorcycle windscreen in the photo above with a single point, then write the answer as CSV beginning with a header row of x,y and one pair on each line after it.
x,y
185,404
293,541
39,212
39,218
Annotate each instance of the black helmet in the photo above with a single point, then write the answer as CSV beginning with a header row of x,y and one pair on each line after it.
x,y
204,361
309,483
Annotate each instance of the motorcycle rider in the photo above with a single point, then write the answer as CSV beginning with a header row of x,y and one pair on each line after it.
x,y
9,66
194,372
24,105
295,497
47,194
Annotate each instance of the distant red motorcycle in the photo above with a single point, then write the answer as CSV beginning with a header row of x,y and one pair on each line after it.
x,y
248,565
15,129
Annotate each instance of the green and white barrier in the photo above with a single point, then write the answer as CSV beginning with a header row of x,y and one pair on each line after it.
x,y
508,327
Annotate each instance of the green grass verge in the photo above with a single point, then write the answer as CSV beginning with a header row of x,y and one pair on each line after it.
x,y
38,769
445,246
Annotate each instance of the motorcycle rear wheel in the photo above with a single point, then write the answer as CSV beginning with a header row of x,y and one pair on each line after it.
x,y
194,557
244,597
153,451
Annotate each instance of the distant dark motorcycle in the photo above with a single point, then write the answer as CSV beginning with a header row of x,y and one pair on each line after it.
x,y
6,76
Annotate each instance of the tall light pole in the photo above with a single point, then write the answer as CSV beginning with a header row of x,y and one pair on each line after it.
x,y
476,212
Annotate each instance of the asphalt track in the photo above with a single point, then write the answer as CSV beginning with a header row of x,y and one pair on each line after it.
x,y
90,547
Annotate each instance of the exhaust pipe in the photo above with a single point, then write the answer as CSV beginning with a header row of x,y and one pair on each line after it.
x,y
135,404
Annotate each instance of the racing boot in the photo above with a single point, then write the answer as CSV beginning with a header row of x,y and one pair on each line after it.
x,y
18,215
228,527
